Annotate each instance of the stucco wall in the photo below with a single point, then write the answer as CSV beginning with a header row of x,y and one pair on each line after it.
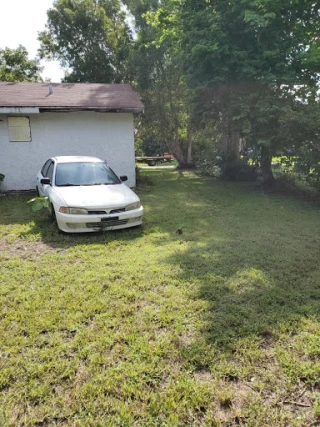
x,y
108,136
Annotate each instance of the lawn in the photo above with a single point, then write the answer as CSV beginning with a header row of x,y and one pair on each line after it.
x,y
206,316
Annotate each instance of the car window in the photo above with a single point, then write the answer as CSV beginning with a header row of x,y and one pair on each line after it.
x,y
50,171
85,173
45,167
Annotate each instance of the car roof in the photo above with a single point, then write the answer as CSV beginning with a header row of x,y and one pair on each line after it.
x,y
76,159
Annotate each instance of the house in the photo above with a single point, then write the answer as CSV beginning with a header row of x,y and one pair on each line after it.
x,y
39,121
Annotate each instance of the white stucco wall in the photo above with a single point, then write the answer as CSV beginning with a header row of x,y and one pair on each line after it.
x,y
108,136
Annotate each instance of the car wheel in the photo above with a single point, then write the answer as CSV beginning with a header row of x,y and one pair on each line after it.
x,y
54,219
52,213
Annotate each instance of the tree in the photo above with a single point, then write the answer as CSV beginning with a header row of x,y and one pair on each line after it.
x,y
91,38
255,52
15,66
299,127
158,72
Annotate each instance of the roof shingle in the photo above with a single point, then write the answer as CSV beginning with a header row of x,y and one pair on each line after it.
x,y
106,97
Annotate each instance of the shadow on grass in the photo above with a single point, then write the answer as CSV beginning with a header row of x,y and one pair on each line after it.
x,y
251,256
252,291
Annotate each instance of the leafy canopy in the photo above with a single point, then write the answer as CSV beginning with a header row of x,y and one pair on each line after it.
x,y
262,40
91,38
15,66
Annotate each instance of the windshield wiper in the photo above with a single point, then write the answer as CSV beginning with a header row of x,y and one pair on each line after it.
x,y
68,184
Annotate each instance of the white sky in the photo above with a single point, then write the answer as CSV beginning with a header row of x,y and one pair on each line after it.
x,y
20,21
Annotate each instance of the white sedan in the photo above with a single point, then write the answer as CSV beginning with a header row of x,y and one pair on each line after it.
x,y
86,195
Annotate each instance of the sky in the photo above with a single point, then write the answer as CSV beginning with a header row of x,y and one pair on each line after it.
x,y
20,22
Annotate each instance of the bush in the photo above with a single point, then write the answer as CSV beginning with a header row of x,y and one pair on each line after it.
x,y
233,169
227,167
39,203
307,164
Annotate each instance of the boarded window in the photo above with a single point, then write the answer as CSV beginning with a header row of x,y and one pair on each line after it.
x,y
19,129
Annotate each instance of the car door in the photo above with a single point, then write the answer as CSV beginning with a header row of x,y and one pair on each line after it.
x,y
44,189
43,174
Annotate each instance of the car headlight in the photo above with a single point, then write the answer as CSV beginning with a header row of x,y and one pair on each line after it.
x,y
73,211
132,206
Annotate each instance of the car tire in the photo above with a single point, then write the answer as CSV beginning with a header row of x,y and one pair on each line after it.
x,y
53,219
52,213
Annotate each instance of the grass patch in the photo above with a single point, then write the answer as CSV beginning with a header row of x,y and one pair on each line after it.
x,y
206,316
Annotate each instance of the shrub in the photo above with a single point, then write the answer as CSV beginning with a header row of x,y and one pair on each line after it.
x,y
39,203
227,167
233,169
307,164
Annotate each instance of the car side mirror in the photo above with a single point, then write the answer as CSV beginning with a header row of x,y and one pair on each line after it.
x,y
123,178
45,181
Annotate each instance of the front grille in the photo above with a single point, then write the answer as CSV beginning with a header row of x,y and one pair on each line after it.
x,y
118,210
106,224
106,211
97,212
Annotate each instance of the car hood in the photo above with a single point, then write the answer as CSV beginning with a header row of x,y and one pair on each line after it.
x,y
118,195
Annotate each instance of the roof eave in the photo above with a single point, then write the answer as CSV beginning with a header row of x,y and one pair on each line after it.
x,y
134,110
42,109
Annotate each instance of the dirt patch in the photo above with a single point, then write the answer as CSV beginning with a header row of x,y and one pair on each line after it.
x,y
203,377
11,246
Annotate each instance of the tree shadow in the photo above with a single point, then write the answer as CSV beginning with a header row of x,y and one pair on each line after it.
x,y
252,257
248,291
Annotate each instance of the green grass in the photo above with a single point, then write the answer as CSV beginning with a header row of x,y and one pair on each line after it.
x,y
207,316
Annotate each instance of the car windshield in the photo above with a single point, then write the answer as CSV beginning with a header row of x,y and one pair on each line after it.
x,y
84,173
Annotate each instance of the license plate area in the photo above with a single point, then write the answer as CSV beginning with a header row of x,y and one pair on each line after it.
x,y
112,219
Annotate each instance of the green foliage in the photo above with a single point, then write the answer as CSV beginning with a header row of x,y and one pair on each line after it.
x,y
39,203
2,177
226,166
206,162
245,59
150,147
261,41
233,169
91,37
15,66
298,126
316,409
167,123
308,163
243,67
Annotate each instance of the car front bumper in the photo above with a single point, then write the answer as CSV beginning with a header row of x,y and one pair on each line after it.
x,y
91,223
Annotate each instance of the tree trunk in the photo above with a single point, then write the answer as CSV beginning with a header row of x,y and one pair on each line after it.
x,y
225,143
189,148
266,168
235,143
231,143
177,152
